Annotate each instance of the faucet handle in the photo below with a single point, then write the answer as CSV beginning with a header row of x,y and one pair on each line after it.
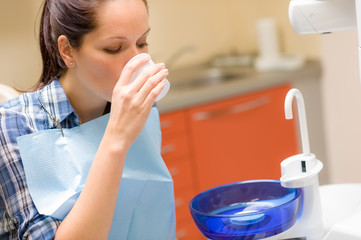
x,y
302,169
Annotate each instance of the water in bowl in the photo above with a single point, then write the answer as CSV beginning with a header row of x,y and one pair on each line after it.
x,y
247,219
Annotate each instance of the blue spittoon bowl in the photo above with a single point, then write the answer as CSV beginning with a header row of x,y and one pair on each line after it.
x,y
246,210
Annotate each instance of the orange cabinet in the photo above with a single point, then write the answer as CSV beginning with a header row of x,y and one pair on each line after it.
x,y
242,138
176,155
232,140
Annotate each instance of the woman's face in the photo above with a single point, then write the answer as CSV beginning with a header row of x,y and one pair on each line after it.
x,y
121,33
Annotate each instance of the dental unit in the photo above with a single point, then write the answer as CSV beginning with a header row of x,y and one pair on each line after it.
x,y
291,208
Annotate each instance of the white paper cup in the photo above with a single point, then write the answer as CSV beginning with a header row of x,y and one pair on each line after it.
x,y
145,66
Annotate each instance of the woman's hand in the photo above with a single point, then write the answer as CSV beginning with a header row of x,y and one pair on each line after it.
x,y
92,214
132,102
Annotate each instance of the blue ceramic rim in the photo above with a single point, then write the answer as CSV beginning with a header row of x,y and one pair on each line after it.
x,y
298,194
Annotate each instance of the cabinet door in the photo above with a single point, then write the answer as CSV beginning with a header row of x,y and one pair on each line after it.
x,y
242,138
175,152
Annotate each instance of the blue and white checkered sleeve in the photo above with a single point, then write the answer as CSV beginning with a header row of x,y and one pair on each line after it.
x,y
40,228
18,214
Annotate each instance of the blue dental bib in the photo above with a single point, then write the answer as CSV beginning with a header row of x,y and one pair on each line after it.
x,y
57,167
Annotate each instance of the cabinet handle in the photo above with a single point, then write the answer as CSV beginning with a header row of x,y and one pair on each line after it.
x,y
167,149
181,234
239,108
178,202
164,124
173,171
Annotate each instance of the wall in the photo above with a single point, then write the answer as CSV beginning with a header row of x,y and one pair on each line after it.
x,y
221,27
19,55
214,27
342,105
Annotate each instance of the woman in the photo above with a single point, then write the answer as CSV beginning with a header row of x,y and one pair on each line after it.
x,y
85,45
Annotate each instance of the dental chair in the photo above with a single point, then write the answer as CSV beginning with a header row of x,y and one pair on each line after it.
x,y
7,93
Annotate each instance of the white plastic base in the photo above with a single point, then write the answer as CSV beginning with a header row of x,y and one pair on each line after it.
x,y
341,211
341,206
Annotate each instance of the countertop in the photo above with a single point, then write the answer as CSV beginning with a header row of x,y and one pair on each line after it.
x,y
181,98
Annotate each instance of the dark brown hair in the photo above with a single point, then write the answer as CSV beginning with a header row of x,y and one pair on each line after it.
x,y
71,18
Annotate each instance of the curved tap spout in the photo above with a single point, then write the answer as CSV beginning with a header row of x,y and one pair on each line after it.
x,y
180,52
301,171
295,93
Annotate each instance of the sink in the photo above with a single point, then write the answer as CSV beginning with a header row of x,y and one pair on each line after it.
x,y
204,76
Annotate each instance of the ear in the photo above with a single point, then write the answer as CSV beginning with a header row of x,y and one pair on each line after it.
x,y
66,51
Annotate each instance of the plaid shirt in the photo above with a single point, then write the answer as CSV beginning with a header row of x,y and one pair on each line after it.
x,y
31,112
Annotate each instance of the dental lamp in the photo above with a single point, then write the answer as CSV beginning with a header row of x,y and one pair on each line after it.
x,y
322,16
326,16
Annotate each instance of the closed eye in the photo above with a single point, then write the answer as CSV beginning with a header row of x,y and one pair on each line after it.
x,y
143,45
113,51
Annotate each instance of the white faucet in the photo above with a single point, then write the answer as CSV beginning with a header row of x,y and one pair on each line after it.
x,y
301,171
180,52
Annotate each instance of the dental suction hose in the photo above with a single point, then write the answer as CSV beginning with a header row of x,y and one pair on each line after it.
x,y
301,171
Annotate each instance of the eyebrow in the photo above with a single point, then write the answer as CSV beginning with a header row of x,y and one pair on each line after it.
x,y
145,33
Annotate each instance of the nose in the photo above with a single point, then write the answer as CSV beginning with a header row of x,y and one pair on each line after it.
x,y
133,52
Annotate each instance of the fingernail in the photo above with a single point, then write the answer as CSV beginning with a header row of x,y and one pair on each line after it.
x,y
146,57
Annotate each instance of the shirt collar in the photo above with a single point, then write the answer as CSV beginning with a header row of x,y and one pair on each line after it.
x,y
55,103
